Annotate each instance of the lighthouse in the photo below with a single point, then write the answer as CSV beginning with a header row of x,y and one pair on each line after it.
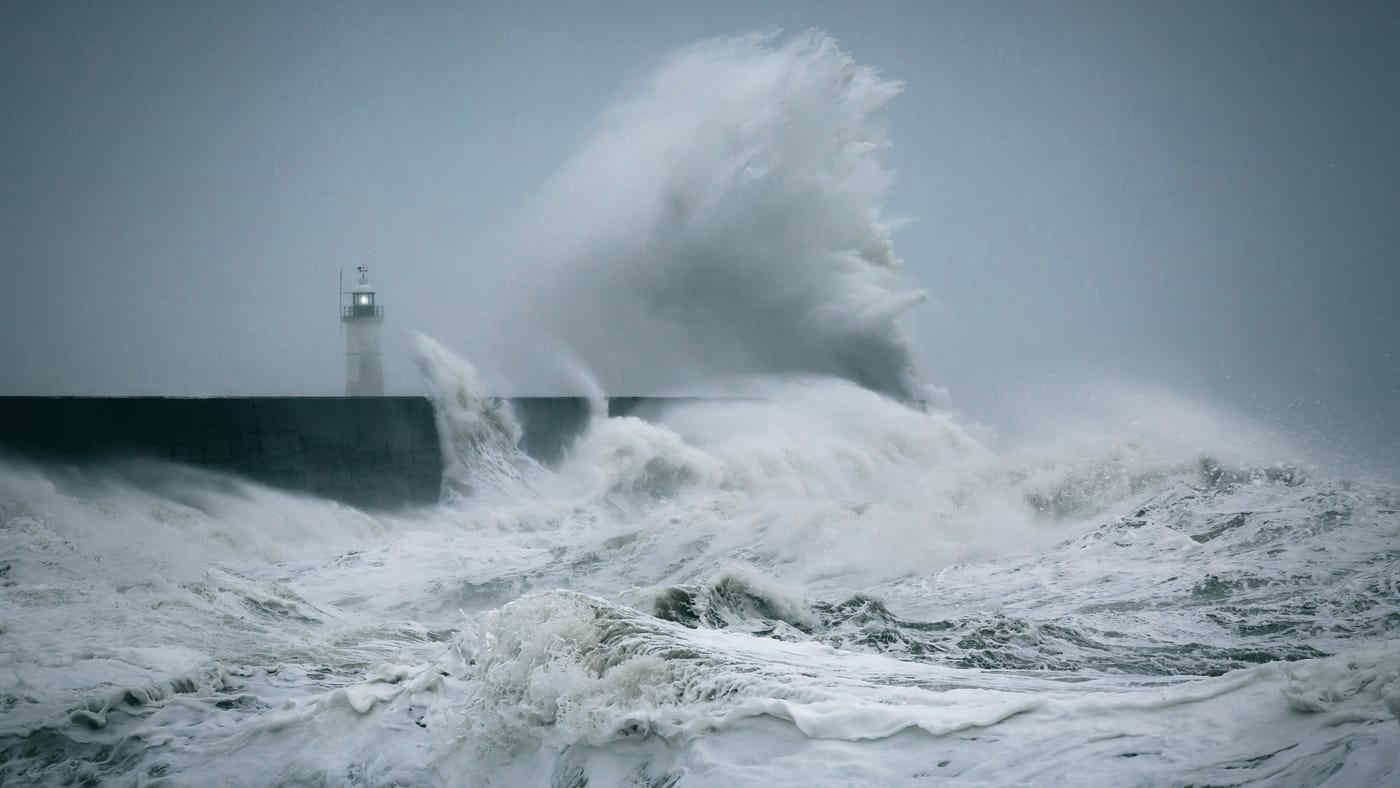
x,y
364,365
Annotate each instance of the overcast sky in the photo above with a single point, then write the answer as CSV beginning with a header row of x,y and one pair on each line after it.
x,y
1196,195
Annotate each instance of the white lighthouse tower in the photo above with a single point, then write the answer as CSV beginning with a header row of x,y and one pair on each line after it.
x,y
364,365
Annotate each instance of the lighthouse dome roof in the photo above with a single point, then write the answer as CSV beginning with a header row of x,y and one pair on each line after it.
x,y
364,287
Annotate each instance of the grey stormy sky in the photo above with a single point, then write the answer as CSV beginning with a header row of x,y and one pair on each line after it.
x,y
1197,195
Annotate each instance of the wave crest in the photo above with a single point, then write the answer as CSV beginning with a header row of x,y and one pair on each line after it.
x,y
725,219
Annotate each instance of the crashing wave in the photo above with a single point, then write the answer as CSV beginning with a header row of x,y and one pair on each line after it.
x,y
726,218
479,434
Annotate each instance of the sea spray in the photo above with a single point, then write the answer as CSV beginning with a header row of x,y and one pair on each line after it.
x,y
726,218
479,434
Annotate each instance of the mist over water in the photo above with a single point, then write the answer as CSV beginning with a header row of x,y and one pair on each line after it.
x,y
806,582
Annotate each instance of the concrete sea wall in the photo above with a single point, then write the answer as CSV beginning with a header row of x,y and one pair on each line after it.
x,y
376,452
373,452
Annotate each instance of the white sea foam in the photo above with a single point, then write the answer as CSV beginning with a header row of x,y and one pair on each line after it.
x,y
820,586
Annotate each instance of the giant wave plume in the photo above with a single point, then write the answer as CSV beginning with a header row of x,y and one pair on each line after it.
x,y
725,218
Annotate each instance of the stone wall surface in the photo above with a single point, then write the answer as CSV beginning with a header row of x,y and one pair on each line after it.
x,y
373,452
377,452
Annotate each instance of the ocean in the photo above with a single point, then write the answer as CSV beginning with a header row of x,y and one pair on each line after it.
x,y
824,586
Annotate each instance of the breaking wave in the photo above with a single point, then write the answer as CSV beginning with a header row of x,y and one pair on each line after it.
x,y
725,218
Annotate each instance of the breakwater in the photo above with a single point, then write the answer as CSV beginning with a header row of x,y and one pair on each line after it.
x,y
373,452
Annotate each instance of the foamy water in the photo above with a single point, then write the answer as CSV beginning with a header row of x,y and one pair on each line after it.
x,y
814,584
822,587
